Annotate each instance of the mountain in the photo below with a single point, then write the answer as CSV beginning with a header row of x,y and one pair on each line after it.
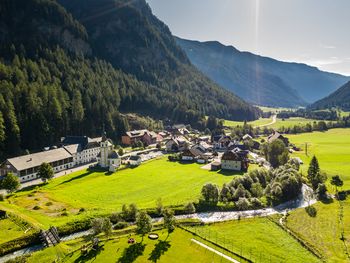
x,y
70,72
261,80
340,99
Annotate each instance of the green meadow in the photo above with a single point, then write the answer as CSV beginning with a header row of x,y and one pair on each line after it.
x,y
325,230
261,121
9,230
102,193
332,149
258,239
178,247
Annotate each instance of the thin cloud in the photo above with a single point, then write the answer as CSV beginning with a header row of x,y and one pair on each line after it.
x,y
328,46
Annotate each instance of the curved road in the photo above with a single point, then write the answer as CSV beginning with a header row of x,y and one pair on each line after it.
x,y
274,119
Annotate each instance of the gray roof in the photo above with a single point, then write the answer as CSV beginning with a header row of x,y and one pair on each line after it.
x,y
36,159
73,148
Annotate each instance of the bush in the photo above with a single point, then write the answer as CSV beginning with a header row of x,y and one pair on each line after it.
x,y
49,204
65,213
190,208
311,211
121,225
73,227
2,198
36,207
81,210
115,218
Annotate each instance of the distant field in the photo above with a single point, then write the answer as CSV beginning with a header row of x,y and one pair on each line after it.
x,y
261,121
96,192
291,122
272,109
9,230
257,239
177,248
324,230
332,149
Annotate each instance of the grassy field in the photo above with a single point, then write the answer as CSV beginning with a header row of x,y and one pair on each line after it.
x,y
291,122
9,230
99,193
261,121
177,248
332,148
272,109
257,239
324,230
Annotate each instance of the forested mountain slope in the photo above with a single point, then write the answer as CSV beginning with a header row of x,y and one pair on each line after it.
x,y
258,79
340,99
55,78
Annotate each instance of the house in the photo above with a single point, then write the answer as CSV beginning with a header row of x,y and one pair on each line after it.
x,y
247,137
236,144
83,149
108,158
215,166
26,167
176,144
151,137
135,160
179,129
205,158
235,160
132,137
190,154
276,135
222,142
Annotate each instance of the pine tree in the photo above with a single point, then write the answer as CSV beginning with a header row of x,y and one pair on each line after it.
x,y
314,173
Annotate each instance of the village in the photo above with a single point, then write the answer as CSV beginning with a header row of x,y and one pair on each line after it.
x,y
216,152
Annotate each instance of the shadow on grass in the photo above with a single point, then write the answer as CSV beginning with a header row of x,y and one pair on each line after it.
x,y
230,173
327,201
311,211
77,177
159,250
132,252
31,187
92,254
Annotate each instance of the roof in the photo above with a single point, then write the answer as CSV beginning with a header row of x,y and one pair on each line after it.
x,y
232,156
136,133
113,155
73,148
135,158
276,135
36,159
216,163
247,136
84,141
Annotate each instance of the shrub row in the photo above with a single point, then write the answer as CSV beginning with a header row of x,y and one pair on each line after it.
x,y
19,243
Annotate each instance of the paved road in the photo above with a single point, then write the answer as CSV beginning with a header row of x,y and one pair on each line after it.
x,y
215,251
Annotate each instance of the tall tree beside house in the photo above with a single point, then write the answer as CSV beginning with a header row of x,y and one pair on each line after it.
x,y
143,224
45,172
10,183
314,174
276,153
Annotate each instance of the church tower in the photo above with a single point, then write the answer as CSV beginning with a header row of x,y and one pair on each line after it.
x,y
106,147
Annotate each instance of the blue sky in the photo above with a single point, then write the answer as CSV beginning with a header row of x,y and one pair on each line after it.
x,y
315,32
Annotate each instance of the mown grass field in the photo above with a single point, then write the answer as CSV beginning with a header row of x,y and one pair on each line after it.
x,y
332,149
9,230
291,122
257,239
100,193
324,230
177,248
261,121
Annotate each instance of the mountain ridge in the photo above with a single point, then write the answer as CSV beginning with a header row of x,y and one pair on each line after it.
x,y
298,79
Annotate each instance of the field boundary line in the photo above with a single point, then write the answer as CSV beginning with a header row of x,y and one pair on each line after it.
x,y
218,245
296,237
214,251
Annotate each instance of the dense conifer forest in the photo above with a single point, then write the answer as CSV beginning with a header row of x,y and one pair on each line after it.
x,y
60,75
